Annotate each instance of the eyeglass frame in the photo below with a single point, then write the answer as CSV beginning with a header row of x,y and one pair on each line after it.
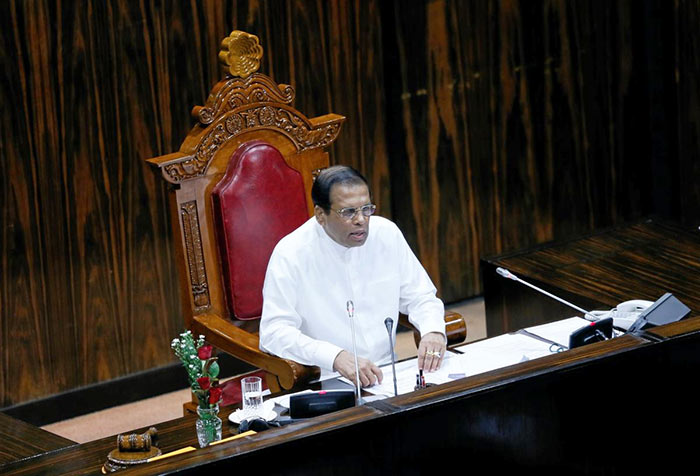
x,y
371,207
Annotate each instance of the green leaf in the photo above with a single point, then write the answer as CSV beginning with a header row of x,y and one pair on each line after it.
x,y
213,369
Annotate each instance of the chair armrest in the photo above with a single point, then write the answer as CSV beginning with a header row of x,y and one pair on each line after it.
x,y
455,328
282,374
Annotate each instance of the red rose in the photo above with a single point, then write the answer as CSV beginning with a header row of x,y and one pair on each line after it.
x,y
215,395
204,382
204,352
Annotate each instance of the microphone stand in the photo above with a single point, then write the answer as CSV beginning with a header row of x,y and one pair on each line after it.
x,y
507,274
389,323
351,315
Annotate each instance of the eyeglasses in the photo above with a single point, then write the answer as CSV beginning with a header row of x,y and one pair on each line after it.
x,y
349,213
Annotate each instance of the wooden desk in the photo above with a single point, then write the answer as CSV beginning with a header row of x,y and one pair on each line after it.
x,y
615,406
598,271
20,440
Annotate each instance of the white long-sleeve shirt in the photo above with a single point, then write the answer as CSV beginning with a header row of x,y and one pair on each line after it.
x,y
310,278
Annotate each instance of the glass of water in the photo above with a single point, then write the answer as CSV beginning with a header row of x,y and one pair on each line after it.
x,y
251,389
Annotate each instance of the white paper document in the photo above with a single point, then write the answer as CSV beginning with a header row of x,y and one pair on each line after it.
x,y
406,373
478,357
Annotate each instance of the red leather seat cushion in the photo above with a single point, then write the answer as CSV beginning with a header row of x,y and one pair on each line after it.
x,y
259,200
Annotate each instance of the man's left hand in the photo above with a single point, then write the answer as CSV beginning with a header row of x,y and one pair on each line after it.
x,y
431,351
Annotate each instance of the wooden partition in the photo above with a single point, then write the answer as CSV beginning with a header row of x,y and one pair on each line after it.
x,y
642,260
483,126
617,407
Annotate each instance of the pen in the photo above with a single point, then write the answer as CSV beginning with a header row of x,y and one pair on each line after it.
x,y
187,449
420,379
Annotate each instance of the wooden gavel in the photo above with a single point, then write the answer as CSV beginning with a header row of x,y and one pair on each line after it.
x,y
136,442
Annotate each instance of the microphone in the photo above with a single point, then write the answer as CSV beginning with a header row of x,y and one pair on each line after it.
x,y
389,323
507,274
351,314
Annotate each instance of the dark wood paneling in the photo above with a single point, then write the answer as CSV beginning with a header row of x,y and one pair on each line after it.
x,y
686,77
520,122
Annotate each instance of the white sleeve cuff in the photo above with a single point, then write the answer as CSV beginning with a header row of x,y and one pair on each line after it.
x,y
426,327
326,354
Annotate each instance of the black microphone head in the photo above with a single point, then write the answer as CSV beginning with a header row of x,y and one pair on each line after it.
x,y
389,323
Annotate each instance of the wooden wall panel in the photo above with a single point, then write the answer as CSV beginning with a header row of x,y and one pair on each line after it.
x,y
518,122
686,75
483,126
86,283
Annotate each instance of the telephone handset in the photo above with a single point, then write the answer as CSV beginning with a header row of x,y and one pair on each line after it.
x,y
625,313
635,305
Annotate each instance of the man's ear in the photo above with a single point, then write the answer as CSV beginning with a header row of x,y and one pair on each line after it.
x,y
320,215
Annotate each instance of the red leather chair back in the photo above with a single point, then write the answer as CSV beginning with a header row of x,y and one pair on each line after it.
x,y
259,200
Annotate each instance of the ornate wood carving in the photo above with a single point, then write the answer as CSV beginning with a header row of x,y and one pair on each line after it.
x,y
281,118
240,53
246,101
237,92
195,255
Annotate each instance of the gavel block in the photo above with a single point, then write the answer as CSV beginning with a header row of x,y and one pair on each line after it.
x,y
132,449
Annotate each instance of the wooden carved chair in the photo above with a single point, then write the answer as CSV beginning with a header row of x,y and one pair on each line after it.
x,y
240,182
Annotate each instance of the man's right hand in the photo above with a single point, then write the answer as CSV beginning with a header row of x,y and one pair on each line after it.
x,y
369,373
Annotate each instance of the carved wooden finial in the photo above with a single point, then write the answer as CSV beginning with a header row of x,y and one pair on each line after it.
x,y
244,101
240,54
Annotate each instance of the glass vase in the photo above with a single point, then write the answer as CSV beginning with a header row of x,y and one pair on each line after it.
x,y
208,425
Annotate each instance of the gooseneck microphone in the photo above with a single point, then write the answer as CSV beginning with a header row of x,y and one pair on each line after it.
x,y
507,274
389,323
351,314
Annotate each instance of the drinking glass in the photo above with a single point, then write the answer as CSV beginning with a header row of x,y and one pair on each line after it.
x,y
251,389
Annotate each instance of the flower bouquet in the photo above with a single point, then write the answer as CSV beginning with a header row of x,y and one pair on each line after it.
x,y
202,372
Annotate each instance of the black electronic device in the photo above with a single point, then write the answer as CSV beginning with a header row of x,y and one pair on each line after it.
x,y
665,310
308,405
257,424
593,332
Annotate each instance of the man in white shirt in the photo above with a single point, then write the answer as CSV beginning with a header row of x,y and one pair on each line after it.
x,y
335,258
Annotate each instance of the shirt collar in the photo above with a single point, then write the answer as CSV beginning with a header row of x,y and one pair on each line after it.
x,y
329,243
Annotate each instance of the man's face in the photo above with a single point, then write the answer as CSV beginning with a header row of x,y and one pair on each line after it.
x,y
351,232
